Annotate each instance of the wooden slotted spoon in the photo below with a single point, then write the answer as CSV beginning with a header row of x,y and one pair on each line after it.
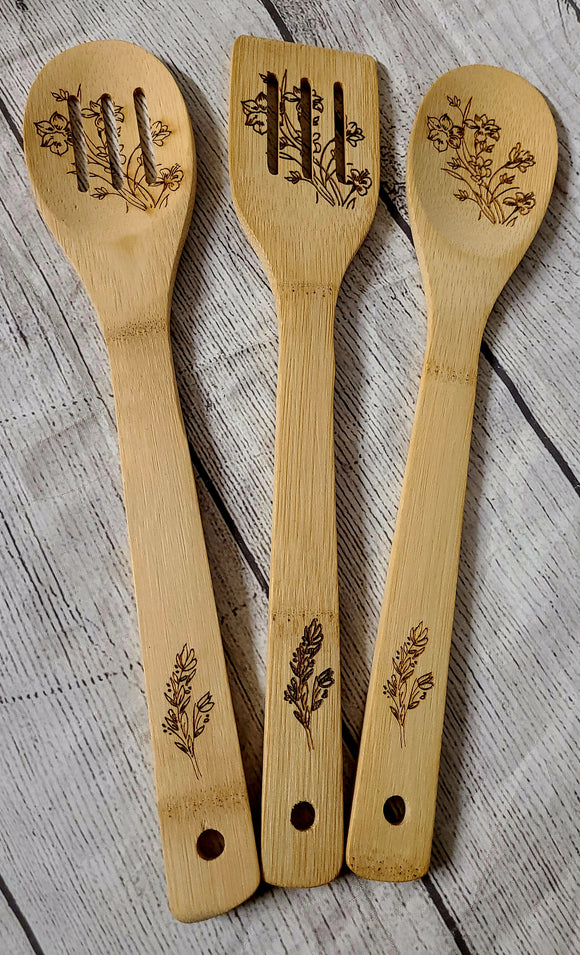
x,y
305,180
125,240
481,165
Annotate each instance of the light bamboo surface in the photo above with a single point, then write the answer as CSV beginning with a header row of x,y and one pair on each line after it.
x,y
468,243
306,233
125,246
76,779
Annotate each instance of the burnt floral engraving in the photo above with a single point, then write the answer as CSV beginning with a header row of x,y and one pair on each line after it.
x,y
305,698
186,728
324,173
404,688
472,141
56,135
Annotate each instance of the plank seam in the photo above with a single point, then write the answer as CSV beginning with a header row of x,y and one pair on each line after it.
x,y
445,914
21,918
228,519
14,128
76,685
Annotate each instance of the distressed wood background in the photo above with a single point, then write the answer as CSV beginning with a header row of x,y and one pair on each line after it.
x,y
80,860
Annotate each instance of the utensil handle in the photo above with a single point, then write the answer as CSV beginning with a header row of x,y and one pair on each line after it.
x,y
393,811
201,789
302,802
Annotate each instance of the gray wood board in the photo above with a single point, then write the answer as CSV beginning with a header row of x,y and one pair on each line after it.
x,y
80,855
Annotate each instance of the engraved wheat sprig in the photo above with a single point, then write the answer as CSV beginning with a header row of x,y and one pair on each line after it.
x,y
407,695
178,694
298,692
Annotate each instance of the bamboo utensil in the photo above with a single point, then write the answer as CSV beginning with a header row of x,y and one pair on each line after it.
x,y
304,168
117,192
481,165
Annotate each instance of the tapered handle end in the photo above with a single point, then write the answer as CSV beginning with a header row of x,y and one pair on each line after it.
x,y
211,862
402,859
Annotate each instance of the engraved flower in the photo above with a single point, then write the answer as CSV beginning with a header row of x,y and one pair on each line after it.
x,y
293,176
170,178
205,704
520,158
360,180
481,167
484,128
62,96
94,111
255,112
159,132
354,134
522,202
55,133
296,95
444,133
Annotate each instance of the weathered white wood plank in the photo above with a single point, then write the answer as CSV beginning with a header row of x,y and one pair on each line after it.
x,y
531,326
71,686
535,318
503,833
77,734
12,937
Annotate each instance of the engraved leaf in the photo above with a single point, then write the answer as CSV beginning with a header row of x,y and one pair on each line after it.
x,y
302,665
205,703
397,687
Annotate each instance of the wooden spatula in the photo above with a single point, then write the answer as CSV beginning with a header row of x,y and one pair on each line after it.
x,y
304,167
481,165
121,212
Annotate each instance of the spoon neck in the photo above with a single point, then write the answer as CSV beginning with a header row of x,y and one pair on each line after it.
x,y
306,314
455,325
451,358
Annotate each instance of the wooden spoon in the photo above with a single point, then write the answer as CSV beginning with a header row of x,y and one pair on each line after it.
x,y
304,168
481,165
124,235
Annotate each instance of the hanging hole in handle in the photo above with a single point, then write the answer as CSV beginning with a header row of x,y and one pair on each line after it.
x,y
394,810
210,844
302,816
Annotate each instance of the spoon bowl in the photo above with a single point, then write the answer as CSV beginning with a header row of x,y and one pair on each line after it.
x,y
481,165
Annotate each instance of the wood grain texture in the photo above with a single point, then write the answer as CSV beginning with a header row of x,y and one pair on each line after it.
x,y
305,232
468,244
75,780
124,239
